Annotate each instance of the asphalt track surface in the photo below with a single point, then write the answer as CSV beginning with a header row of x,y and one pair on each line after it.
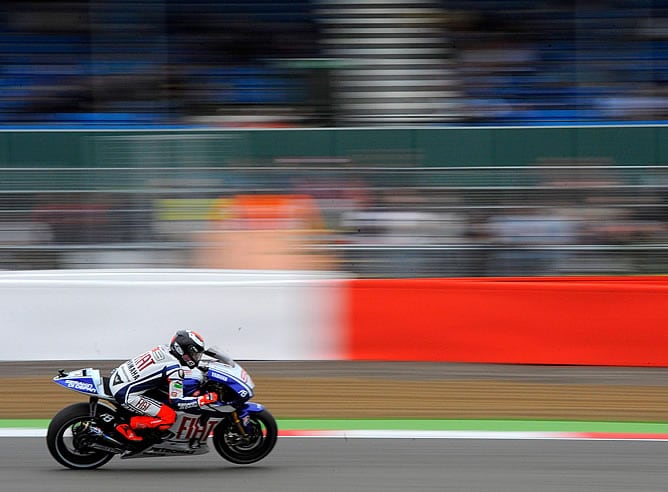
x,y
361,465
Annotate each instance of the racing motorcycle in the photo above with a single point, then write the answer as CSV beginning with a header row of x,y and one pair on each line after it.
x,y
83,436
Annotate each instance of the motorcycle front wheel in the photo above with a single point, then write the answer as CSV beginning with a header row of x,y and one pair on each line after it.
x,y
66,439
259,438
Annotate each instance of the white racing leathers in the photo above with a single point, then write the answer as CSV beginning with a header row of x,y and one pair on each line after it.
x,y
154,369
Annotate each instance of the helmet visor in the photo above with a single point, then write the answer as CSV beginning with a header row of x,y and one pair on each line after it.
x,y
194,355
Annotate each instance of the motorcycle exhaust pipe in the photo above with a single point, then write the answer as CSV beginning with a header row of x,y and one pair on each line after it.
x,y
108,442
108,449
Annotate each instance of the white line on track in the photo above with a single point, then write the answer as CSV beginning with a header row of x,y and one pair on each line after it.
x,y
415,434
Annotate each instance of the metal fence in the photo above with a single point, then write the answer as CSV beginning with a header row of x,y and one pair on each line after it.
x,y
555,218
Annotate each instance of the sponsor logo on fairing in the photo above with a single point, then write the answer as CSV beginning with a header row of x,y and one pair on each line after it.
x,y
219,376
191,427
80,386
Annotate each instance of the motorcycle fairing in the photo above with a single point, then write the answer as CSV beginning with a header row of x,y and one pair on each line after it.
x,y
252,407
234,377
169,448
87,381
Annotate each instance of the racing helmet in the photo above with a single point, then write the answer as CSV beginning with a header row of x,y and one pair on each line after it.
x,y
188,347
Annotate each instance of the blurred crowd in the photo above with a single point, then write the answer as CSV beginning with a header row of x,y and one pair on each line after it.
x,y
302,63
366,223
332,63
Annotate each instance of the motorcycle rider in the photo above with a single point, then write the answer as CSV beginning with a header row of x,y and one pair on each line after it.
x,y
158,368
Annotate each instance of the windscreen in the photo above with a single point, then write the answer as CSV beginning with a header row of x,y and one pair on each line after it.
x,y
219,355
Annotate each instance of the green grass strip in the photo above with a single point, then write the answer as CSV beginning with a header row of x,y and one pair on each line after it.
x,y
431,425
24,423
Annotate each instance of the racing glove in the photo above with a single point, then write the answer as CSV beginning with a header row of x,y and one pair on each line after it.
x,y
207,399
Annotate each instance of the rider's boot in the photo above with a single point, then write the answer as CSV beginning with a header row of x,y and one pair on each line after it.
x,y
128,432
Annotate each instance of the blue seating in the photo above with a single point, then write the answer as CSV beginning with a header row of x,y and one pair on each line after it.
x,y
554,88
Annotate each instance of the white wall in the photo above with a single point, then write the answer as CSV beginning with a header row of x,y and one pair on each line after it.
x,y
114,314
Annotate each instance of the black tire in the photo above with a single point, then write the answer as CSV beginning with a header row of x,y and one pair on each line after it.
x,y
252,448
63,451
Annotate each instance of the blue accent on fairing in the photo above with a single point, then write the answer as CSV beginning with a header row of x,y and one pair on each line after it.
x,y
248,409
218,376
84,385
252,407
241,389
238,386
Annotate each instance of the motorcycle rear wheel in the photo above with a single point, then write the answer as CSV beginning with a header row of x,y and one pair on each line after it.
x,y
250,448
64,445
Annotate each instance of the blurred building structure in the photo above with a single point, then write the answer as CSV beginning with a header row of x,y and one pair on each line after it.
x,y
184,196
169,200
332,62
394,61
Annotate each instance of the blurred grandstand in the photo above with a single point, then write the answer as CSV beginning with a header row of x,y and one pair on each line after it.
x,y
332,62
377,205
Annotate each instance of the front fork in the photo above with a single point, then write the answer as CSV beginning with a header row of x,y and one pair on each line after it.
x,y
239,423
241,418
